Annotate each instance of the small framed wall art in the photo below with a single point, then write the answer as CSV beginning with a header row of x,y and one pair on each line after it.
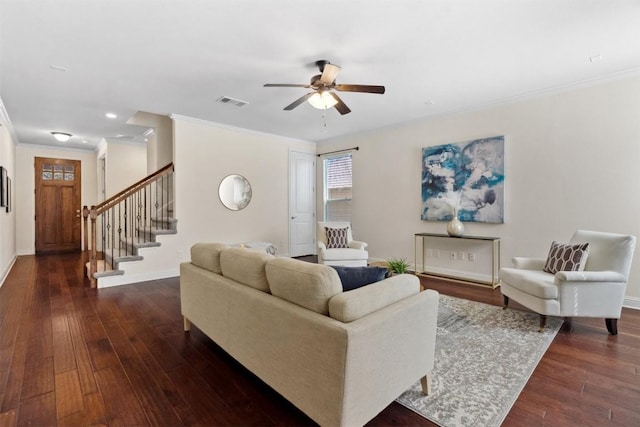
x,y
9,191
3,186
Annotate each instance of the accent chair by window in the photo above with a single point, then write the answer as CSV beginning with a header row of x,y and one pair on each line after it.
x,y
337,247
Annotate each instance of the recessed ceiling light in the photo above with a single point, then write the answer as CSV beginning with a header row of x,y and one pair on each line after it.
x,y
84,141
58,68
595,58
61,136
111,115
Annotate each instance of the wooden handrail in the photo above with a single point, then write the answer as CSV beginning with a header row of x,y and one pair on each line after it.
x,y
118,197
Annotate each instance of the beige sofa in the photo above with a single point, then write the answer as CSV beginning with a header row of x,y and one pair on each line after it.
x,y
340,357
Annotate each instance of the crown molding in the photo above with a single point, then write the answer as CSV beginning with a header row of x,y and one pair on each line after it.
x,y
550,91
6,121
53,147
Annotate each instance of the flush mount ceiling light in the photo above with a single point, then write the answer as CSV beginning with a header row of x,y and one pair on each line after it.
x,y
322,100
61,136
111,115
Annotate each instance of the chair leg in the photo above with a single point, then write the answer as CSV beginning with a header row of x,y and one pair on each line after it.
x,y
612,326
505,301
543,321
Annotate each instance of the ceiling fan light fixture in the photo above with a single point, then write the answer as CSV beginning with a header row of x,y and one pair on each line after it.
x,y
61,136
322,100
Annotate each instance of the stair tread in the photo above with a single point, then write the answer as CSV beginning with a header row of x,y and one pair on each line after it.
x,y
163,231
103,269
125,257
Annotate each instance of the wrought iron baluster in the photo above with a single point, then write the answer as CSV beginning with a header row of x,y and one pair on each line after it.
x,y
120,229
113,237
139,217
102,240
162,206
156,204
144,210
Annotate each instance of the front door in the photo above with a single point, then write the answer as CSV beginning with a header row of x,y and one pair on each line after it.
x,y
302,207
58,217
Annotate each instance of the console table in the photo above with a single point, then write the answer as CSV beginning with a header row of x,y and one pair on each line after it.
x,y
495,257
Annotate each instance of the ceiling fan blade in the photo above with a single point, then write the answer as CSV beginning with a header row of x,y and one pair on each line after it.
x,y
284,85
298,101
340,106
329,73
360,88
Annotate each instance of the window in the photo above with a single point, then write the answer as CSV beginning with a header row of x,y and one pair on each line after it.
x,y
337,188
57,172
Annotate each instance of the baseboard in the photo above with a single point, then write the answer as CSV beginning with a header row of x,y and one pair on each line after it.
x,y
5,273
457,274
128,278
632,302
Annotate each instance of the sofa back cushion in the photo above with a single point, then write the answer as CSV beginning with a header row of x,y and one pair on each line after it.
x,y
302,283
207,256
245,266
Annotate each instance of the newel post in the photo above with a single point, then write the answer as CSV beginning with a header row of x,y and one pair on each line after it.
x,y
93,263
85,216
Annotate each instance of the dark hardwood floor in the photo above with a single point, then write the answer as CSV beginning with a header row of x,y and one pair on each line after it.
x,y
75,356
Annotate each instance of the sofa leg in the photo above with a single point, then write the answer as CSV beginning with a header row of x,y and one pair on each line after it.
x,y
426,383
505,301
187,324
543,321
612,326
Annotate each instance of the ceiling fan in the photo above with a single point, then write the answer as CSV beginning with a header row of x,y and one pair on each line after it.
x,y
323,84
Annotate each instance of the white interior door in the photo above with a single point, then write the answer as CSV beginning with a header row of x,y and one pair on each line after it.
x,y
302,203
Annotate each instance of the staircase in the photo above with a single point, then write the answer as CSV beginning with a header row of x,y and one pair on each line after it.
x,y
125,227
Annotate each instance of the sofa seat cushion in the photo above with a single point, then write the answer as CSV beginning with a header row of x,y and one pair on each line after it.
x,y
356,277
207,256
245,266
345,253
349,306
533,282
303,283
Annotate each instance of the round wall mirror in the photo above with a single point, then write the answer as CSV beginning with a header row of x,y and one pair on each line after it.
x,y
235,192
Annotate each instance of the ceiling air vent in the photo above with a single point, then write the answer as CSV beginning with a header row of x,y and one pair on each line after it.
x,y
232,101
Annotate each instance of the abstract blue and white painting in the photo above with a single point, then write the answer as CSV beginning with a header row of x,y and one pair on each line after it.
x,y
464,177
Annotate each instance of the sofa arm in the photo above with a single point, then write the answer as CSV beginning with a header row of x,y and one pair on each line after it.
x,y
588,276
388,351
524,263
352,305
322,246
354,244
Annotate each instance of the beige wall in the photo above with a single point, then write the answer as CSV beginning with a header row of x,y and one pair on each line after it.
x,y
25,179
126,163
7,219
204,154
160,142
571,162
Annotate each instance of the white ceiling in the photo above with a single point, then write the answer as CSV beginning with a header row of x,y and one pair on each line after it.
x,y
178,56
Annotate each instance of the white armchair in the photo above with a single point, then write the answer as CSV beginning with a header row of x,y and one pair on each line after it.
x,y
353,255
597,291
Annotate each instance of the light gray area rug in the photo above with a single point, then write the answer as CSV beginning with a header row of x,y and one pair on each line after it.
x,y
484,357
